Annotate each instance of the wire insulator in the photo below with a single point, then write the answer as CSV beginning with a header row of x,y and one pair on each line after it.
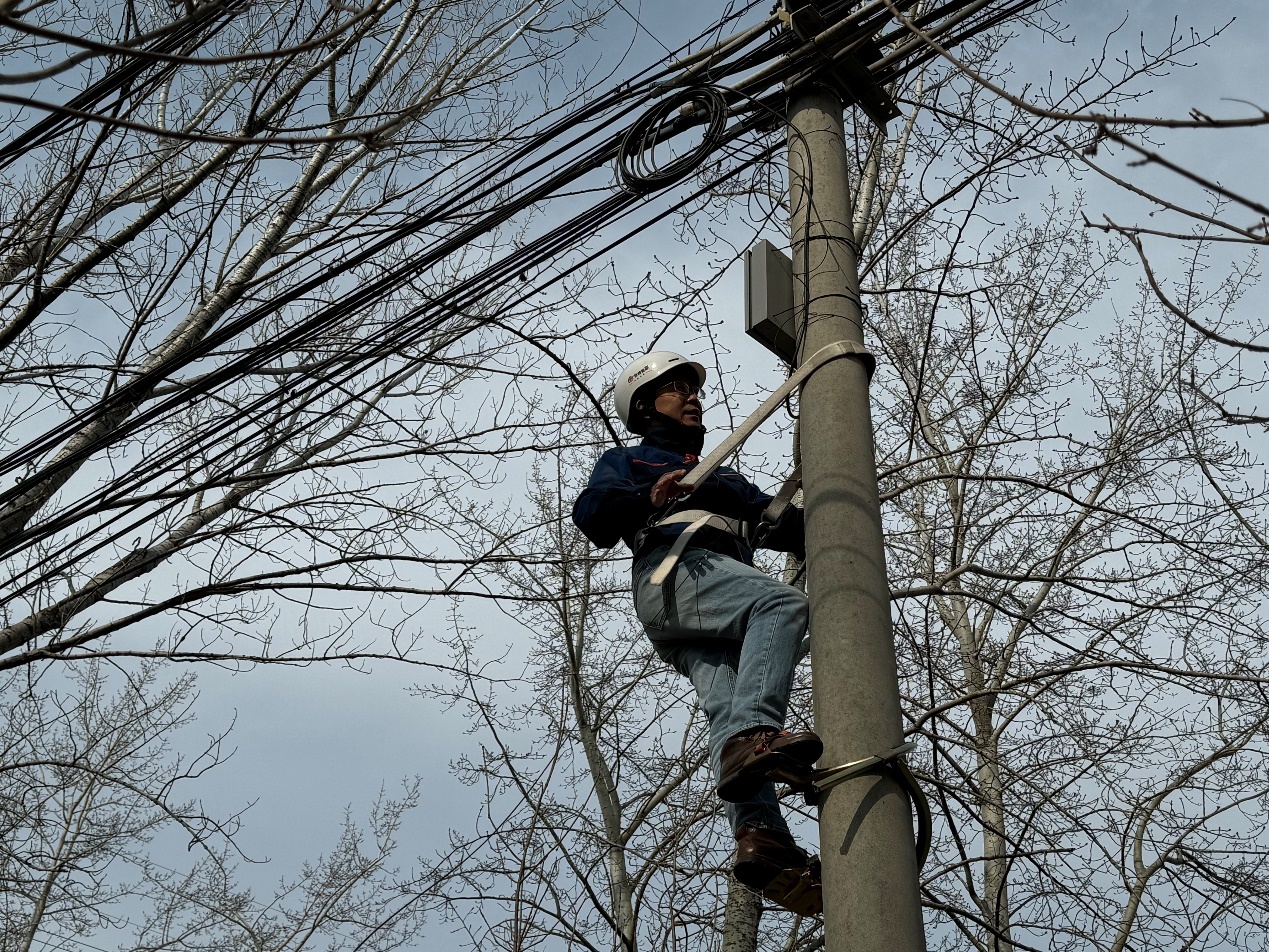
x,y
636,165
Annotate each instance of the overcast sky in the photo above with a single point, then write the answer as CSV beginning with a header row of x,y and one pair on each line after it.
x,y
312,741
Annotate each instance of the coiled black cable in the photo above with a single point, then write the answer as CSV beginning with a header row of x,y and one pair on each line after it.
x,y
636,164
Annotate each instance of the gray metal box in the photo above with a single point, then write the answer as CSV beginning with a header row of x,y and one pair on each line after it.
x,y
769,300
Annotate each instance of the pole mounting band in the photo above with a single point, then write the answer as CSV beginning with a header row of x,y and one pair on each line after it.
x,y
827,778
816,786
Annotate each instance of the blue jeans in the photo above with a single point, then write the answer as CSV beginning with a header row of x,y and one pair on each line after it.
x,y
735,632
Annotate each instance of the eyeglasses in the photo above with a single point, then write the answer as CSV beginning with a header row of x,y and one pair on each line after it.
x,y
682,387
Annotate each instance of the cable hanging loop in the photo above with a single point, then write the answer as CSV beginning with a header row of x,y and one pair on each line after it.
x,y
636,165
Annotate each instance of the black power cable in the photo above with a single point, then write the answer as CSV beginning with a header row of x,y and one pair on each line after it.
x,y
199,28
428,317
246,424
212,448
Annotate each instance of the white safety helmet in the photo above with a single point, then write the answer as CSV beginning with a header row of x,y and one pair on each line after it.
x,y
644,370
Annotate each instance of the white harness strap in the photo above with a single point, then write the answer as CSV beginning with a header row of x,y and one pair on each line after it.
x,y
696,519
699,518
827,353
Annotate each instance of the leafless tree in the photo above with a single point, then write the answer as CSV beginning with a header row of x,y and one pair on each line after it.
x,y
1076,550
212,163
1064,586
1184,220
195,416
599,826
93,785
1068,531
87,778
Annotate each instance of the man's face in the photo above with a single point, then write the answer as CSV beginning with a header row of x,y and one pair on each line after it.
x,y
678,397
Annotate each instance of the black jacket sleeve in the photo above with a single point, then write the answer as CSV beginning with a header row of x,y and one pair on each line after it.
x,y
615,504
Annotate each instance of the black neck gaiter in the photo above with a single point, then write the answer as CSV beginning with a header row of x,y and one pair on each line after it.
x,y
674,435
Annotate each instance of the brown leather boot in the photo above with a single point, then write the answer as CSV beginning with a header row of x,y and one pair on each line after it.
x,y
750,760
770,862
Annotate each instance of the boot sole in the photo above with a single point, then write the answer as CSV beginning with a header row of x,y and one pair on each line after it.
x,y
797,890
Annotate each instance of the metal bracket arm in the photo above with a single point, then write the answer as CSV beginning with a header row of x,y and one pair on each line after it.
x,y
824,780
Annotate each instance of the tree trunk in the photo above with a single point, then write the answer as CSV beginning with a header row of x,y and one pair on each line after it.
x,y
740,919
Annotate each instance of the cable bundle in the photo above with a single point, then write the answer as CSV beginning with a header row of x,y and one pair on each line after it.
x,y
635,165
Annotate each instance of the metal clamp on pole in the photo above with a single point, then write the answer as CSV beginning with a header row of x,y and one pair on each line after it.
x,y
816,785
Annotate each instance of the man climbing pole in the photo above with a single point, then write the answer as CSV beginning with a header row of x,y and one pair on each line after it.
x,y
731,629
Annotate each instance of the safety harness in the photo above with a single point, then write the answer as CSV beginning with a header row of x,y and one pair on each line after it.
x,y
698,519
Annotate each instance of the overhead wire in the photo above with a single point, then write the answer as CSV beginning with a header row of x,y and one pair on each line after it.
x,y
200,27
636,157
640,24
580,228
558,239
143,47
239,432
477,186
480,184
307,393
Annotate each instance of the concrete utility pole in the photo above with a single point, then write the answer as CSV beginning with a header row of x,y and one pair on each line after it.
x,y
871,898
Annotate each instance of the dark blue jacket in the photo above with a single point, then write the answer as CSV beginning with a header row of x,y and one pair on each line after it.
x,y
617,503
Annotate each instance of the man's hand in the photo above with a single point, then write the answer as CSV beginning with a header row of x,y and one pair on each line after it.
x,y
669,487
